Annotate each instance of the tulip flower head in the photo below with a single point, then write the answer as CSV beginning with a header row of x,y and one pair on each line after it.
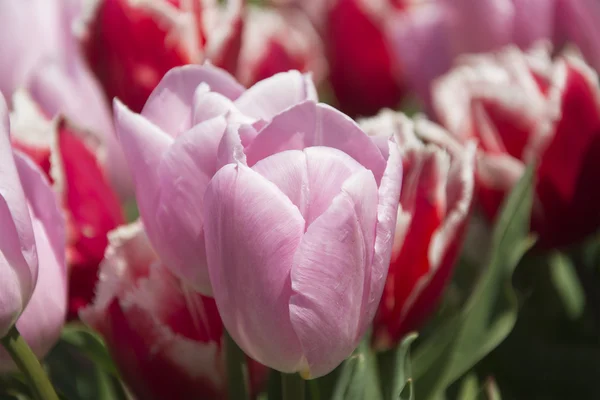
x,y
524,108
172,148
435,204
299,230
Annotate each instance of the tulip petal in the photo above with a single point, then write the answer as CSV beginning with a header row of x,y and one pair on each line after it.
x,y
18,255
168,107
252,231
184,172
310,178
144,145
387,212
43,318
330,275
308,124
273,95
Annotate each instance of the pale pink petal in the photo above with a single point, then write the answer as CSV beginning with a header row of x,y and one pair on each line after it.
x,y
144,145
273,95
252,231
18,255
308,124
170,105
330,275
528,30
310,178
231,149
183,174
43,318
387,212
419,35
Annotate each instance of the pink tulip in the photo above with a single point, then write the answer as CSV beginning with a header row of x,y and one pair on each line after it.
x,y
32,271
69,158
428,38
435,203
172,147
524,108
165,339
299,229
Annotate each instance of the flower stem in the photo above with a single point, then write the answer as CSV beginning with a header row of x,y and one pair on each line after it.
x,y
237,371
292,386
28,363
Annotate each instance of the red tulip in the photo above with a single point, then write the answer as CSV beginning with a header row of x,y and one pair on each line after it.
x,y
435,203
524,108
132,44
69,159
362,67
165,339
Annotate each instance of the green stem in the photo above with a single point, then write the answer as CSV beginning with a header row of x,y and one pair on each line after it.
x,y
292,387
237,372
28,363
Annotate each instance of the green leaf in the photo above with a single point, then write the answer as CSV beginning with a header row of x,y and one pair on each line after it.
x,y
567,284
469,388
395,370
77,377
357,379
490,312
90,344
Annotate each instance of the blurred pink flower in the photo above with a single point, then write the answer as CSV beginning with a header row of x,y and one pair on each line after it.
x,y
435,204
524,108
33,272
427,38
165,339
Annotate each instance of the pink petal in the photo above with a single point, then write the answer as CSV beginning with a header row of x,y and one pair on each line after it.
x,y
18,255
387,212
183,175
252,232
310,178
170,105
330,275
308,124
144,145
43,318
273,95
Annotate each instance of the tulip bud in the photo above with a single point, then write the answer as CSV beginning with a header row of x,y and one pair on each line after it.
x,y
299,230
33,272
525,108
165,339
70,160
435,203
172,151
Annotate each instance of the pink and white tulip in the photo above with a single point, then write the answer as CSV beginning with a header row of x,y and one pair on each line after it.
x,y
32,268
165,339
435,205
